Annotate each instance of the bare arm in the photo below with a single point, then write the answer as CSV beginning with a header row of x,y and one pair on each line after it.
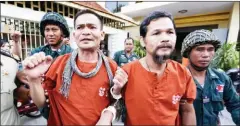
x,y
37,92
188,114
34,67
16,48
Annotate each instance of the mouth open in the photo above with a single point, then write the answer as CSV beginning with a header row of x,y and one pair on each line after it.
x,y
87,39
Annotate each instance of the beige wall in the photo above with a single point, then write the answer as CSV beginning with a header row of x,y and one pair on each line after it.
x,y
234,23
220,18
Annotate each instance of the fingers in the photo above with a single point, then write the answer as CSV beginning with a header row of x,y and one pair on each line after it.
x,y
35,60
120,78
49,58
121,75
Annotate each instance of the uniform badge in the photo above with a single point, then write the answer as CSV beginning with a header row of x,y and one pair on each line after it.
x,y
220,87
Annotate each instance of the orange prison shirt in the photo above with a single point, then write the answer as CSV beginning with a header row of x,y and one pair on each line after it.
x,y
87,97
185,61
153,100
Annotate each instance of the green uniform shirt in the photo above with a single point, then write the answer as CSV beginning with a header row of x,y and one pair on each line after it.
x,y
209,101
48,51
121,57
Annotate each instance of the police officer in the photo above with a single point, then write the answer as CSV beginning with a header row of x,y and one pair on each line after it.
x,y
127,55
213,86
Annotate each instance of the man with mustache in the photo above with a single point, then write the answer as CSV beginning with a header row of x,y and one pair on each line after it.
x,y
155,83
213,86
77,83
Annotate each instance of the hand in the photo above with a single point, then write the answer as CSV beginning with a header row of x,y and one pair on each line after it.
x,y
66,41
105,119
120,79
15,36
36,65
103,122
22,77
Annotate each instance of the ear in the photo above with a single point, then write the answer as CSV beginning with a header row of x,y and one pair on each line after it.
x,y
142,42
102,35
62,37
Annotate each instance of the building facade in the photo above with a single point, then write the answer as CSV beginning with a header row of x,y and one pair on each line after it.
x,y
25,16
220,17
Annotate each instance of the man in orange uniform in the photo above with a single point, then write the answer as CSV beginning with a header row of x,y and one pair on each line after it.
x,y
77,83
155,83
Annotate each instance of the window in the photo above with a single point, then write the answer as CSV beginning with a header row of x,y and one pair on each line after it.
x,y
11,2
55,7
42,5
19,4
28,4
115,6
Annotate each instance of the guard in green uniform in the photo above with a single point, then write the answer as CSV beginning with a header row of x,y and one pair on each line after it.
x,y
127,55
214,87
54,28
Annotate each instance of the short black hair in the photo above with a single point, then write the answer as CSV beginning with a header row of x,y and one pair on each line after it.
x,y
128,39
3,41
152,16
87,11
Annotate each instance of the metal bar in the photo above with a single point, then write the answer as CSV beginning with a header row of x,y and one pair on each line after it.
x,y
25,36
39,36
30,36
20,39
35,35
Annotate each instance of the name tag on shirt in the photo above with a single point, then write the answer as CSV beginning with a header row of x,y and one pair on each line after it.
x,y
206,99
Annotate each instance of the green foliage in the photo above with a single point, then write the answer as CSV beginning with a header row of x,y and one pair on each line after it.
x,y
226,57
139,50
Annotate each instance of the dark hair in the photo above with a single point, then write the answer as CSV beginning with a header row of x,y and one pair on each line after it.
x,y
128,39
87,11
152,16
3,41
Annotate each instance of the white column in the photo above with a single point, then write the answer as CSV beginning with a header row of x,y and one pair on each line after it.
x,y
234,23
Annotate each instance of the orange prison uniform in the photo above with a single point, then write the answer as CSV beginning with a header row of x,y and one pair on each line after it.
x,y
153,100
185,61
87,97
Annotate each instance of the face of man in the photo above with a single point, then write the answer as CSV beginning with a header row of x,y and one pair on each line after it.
x,y
128,45
88,33
53,34
202,55
160,39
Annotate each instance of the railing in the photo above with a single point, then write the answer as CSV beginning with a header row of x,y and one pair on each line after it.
x,y
31,36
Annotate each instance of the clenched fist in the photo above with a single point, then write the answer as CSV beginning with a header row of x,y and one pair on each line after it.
x,y
15,36
119,80
36,65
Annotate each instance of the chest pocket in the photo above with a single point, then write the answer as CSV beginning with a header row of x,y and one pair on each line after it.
x,y
217,96
123,59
